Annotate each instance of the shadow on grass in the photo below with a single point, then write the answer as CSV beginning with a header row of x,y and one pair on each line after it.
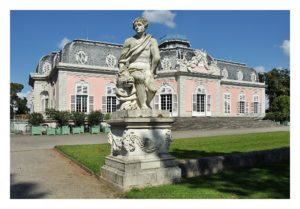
x,y
24,190
195,154
262,182
268,182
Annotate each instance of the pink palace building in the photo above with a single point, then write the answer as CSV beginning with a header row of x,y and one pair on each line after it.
x,y
82,77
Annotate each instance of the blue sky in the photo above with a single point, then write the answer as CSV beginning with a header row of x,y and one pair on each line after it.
x,y
258,38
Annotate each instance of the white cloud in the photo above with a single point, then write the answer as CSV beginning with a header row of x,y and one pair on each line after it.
x,y
62,43
165,17
260,69
24,94
286,47
27,95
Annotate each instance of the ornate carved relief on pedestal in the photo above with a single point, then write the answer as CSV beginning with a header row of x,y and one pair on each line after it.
x,y
133,142
111,60
46,67
81,57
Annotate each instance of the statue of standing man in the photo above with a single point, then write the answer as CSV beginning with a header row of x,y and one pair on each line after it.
x,y
138,61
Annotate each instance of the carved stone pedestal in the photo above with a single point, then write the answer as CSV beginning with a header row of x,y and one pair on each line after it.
x,y
139,156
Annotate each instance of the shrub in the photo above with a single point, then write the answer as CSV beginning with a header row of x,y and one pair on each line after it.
x,y
63,118
107,116
78,118
35,119
95,118
51,114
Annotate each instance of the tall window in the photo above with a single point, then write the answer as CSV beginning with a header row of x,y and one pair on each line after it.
x,y
255,104
44,100
227,103
109,102
111,99
165,99
81,97
201,102
242,104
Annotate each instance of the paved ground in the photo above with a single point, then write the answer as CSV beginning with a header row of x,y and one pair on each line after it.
x,y
37,171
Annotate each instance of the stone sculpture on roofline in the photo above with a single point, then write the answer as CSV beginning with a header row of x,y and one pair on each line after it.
x,y
139,137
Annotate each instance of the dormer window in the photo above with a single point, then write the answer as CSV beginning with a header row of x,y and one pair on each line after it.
x,y
225,74
240,76
253,77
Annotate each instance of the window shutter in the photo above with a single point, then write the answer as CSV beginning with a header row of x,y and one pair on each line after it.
x,y
246,111
175,103
156,102
259,108
252,107
73,103
194,102
208,103
91,103
238,107
104,104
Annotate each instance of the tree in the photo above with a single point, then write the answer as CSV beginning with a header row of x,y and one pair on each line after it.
x,y
280,110
17,104
278,84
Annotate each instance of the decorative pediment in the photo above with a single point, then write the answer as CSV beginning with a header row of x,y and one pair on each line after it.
x,y
201,62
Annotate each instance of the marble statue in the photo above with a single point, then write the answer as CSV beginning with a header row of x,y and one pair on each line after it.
x,y
137,64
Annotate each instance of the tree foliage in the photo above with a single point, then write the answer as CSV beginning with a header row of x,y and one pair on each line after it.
x,y
17,105
278,84
278,91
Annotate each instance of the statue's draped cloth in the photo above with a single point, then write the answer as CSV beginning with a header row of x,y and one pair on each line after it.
x,y
132,54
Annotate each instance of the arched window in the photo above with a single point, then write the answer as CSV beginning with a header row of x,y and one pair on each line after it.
x,y
256,106
201,102
227,103
109,100
242,104
82,101
166,99
44,100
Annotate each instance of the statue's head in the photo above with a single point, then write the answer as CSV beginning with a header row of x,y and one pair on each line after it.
x,y
142,20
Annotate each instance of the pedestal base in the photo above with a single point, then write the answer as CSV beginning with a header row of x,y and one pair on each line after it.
x,y
139,156
128,173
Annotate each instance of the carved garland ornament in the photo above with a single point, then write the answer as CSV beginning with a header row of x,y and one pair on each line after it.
x,y
81,57
166,64
111,60
130,140
46,67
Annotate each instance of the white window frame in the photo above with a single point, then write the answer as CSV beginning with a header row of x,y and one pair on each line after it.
x,y
110,91
82,89
166,90
200,90
256,102
242,98
227,103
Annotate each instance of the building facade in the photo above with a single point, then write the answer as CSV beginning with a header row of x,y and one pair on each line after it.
x,y
190,82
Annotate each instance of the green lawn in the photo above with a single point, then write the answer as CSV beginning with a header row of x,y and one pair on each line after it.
x,y
266,182
92,156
